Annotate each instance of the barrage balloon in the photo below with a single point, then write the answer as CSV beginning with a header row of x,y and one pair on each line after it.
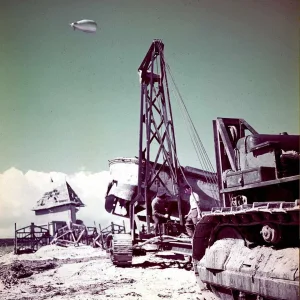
x,y
89,26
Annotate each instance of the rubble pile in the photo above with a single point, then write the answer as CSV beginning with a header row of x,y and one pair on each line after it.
x,y
11,273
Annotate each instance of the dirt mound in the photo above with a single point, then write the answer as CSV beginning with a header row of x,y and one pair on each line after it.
x,y
10,274
83,274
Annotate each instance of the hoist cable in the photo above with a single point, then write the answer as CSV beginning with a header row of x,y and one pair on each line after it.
x,y
197,143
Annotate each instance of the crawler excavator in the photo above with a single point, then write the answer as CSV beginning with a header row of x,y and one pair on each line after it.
x,y
246,242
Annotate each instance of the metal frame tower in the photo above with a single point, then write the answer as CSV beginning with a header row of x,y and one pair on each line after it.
x,y
157,135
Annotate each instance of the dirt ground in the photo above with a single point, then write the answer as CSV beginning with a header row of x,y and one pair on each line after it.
x,y
86,273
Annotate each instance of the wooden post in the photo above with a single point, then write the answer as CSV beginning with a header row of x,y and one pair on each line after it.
x,y
16,239
48,238
124,226
31,235
112,228
101,237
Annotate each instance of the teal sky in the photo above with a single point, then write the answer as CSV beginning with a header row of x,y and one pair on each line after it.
x,y
70,100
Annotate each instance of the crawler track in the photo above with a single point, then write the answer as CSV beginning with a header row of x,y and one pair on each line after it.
x,y
121,249
249,251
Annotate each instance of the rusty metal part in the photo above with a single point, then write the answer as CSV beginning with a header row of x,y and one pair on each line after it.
x,y
121,250
187,265
271,233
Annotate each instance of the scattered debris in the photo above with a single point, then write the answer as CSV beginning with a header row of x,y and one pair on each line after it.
x,y
84,272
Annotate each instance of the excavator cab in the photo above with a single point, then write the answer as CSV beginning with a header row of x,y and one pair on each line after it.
x,y
255,167
249,247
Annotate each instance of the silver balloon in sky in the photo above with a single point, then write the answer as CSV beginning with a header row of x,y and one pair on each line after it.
x,y
89,26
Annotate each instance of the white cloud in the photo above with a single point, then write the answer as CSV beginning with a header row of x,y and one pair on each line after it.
x,y
19,192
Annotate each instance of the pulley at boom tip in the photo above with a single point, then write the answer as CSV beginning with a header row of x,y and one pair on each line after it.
x,y
156,49
158,41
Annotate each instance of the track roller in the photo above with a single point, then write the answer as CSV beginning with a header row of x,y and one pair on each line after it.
x,y
121,249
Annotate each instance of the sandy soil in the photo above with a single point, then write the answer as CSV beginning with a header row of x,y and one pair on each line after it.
x,y
87,273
